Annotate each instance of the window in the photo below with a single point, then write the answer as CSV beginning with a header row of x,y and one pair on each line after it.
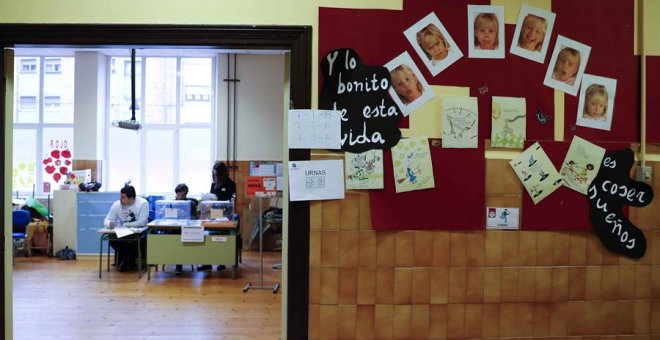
x,y
52,103
27,103
43,123
53,65
28,65
176,143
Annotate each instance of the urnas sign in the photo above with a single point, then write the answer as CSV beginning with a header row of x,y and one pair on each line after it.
x,y
314,172
609,191
369,117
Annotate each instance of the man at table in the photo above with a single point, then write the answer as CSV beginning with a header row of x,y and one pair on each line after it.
x,y
128,211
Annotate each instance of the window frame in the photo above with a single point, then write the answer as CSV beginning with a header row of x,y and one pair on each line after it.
x,y
176,127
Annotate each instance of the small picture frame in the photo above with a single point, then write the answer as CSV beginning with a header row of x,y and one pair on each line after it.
x,y
408,88
433,44
486,31
532,35
596,105
566,67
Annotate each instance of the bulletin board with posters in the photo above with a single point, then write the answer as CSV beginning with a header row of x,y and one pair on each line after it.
x,y
554,106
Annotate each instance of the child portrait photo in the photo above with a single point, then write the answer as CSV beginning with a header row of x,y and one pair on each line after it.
x,y
566,67
532,35
485,31
433,44
596,104
408,88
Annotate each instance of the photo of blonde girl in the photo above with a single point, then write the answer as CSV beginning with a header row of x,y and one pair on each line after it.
x,y
433,44
486,31
596,105
532,35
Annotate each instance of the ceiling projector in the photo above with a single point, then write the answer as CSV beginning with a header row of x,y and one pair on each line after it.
x,y
127,124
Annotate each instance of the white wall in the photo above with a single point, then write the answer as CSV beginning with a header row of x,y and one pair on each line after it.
x,y
89,105
259,106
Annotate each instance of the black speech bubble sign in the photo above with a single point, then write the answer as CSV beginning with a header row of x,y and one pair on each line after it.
x,y
370,118
610,190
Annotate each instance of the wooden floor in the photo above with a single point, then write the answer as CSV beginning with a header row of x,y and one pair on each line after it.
x,y
55,299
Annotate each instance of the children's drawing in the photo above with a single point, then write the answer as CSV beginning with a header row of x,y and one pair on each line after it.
x,y
460,122
581,164
508,122
536,172
364,170
412,165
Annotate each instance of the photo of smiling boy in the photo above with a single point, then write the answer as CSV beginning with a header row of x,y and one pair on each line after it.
x,y
566,67
486,31
433,43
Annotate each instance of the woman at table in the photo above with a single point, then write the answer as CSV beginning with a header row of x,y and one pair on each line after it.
x,y
128,211
224,189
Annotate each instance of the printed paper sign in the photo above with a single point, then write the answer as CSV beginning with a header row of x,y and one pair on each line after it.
x,y
316,180
260,186
412,165
502,218
508,122
192,233
536,172
581,164
314,129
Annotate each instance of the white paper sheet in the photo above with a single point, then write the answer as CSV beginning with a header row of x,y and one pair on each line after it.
x,y
315,129
192,233
123,231
316,180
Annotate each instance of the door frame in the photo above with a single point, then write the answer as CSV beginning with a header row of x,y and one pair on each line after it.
x,y
295,39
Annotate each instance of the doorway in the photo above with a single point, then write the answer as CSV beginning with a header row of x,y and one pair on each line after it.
x,y
295,39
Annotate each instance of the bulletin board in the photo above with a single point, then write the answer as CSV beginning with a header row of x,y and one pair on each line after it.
x,y
457,201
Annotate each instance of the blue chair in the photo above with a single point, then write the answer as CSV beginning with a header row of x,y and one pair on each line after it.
x,y
20,220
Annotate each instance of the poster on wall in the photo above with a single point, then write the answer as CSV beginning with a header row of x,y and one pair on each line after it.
x,y
485,31
502,218
314,129
57,163
566,67
608,193
508,122
532,35
369,117
316,180
409,88
536,172
364,170
581,164
433,44
596,105
411,160
460,122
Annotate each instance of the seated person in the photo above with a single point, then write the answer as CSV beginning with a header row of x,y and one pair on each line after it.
x,y
128,211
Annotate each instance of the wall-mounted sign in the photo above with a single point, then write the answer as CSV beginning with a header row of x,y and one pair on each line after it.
x,y
260,186
369,116
610,190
